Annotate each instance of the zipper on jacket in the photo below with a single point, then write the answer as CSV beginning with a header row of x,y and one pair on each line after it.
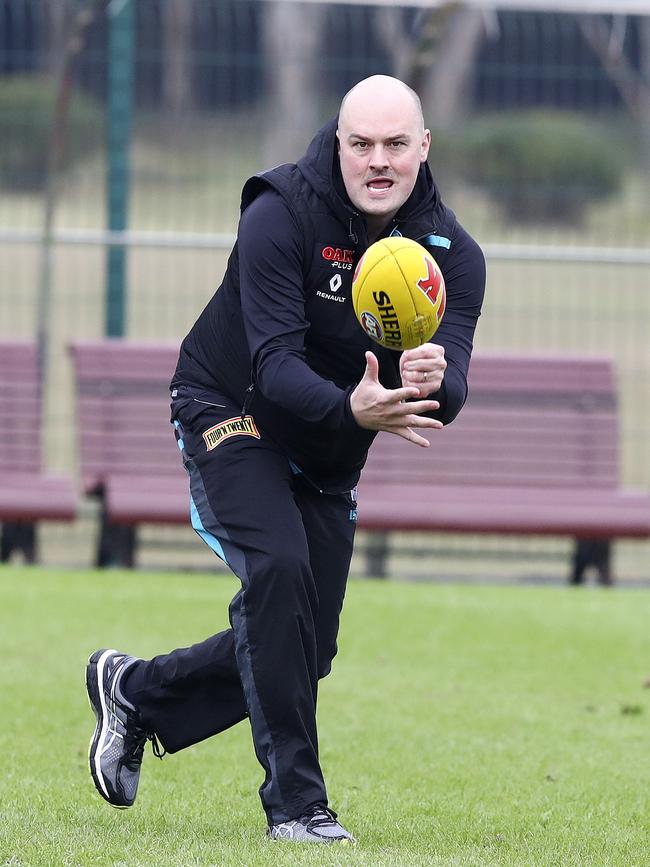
x,y
209,403
247,398
352,234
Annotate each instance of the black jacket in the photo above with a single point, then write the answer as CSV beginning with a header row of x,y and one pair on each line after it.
x,y
280,337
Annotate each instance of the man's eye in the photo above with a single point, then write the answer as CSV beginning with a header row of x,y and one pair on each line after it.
x,y
360,145
396,145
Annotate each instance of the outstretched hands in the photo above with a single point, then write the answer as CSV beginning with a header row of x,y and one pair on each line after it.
x,y
377,408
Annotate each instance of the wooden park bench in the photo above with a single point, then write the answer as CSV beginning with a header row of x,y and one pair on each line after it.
x,y
128,455
28,493
535,451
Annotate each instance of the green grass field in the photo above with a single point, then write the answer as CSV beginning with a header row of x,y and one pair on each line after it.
x,y
462,726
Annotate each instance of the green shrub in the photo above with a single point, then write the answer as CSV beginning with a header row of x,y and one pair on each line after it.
x,y
543,165
27,105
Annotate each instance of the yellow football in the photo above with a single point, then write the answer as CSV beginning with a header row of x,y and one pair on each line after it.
x,y
398,293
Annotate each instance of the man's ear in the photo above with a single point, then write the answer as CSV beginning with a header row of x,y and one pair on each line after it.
x,y
338,142
426,144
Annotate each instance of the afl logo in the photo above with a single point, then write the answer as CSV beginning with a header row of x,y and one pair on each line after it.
x,y
371,325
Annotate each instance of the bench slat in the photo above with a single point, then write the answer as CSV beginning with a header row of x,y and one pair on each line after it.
x,y
165,501
20,430
590,513
26,492
31,497
123,410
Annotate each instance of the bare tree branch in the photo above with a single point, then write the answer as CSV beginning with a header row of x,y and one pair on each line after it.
x,y
438,59
633,85
620,71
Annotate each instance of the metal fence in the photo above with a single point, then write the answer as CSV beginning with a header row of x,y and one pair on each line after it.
x,y
128,127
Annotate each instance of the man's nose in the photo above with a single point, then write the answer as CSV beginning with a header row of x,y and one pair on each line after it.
x,y
378,157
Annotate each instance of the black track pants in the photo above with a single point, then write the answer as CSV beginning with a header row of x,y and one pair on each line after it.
x,y
290,546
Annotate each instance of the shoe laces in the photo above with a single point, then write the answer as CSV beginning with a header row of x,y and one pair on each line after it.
x,y
318,815
157,750
135,740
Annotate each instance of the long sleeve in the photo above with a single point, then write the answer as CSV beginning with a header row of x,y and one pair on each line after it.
x,y
271,267
465,286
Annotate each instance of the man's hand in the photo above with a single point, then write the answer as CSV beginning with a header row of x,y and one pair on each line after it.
x,y
377,408
423,368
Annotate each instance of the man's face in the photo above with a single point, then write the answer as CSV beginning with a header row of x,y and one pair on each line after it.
x,y
381,147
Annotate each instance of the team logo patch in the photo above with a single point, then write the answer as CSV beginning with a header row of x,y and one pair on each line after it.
x,y
232,427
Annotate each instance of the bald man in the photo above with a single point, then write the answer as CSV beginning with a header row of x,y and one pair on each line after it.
x,y
276,399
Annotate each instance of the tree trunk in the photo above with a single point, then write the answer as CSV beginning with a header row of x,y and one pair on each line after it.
x,y
644,88
55,23
438,61
631,84
292,40
177,90
445,83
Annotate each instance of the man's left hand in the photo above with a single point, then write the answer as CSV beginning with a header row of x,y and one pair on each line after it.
x,y
423,367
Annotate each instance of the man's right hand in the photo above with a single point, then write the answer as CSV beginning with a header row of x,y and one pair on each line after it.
x,y
377,408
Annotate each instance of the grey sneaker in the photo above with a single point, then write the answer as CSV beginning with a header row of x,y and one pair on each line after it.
x,y
119,739
317,825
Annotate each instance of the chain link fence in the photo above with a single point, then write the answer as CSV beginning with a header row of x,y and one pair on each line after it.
x,y
128,128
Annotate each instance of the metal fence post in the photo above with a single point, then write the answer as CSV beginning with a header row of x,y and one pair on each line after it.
x,y
120,105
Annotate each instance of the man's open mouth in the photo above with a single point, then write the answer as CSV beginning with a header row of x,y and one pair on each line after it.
x,y
379,184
